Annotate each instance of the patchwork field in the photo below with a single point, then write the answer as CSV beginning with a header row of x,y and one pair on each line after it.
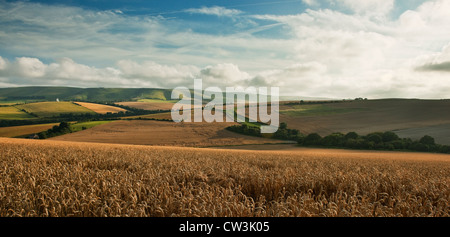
x,y
146,132
52,178
149,105
50,109
86,125
100,108
164,116
440,132
365,117
18,131
11,113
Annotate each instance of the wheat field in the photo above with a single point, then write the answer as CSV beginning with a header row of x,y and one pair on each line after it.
x,y
50,109
100,108
54,178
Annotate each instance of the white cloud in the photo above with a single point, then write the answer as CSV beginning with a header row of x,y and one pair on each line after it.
x,y
216,10
322,52
71,72
149,69
223,75
29,67
310,2
296,79
157,74
366,55
369,7
128,73
57,31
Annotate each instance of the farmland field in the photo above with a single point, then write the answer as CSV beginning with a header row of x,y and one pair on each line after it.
x,y
79,126
17,131
370,116
317,110
51,178
11,112
50,109
156,101
100,108
143,132
151,105
164,116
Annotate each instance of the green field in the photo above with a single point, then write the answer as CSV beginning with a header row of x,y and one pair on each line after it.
x,y
157,101
317,110
51,109
154,94
13,113
79,126
43,93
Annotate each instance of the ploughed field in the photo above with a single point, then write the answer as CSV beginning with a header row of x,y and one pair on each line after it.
x,y
54,178
408,118
149,132
25,130
100,108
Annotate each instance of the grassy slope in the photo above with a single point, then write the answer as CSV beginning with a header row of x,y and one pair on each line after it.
x,y
11,112
84,94
20,131
317,110
100,108
50,109
368,116
79,126
156,101
23,131
149,104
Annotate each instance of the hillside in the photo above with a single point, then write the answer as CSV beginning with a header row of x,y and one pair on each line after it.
x,y
101,108
81,94
407,117
50,109
162,133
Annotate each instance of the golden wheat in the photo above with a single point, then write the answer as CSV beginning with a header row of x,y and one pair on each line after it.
x,y
47,178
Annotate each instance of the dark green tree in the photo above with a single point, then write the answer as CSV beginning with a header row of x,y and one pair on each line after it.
x,y
335,139
313,139
375,138
427,140
351,135
389,137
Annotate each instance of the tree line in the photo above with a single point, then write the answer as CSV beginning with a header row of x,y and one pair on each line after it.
x,y
81,117
57,130
373,141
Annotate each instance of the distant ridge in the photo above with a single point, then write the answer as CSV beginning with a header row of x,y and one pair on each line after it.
x,y
50,93
47,93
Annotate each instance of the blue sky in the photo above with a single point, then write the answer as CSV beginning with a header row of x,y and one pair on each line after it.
x,y
314,48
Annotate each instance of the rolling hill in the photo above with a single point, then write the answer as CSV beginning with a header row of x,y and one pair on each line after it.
x,y
408,117
100,108
163,133
50,109
81,94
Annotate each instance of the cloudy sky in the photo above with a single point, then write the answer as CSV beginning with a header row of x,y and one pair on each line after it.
x,y
315,48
